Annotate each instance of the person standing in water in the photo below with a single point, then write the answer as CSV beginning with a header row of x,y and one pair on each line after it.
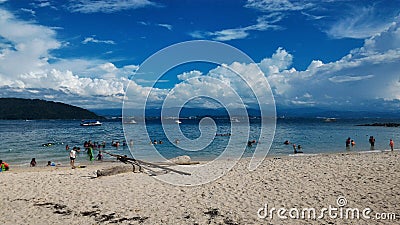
x,y
391,144
90,153
372,142
348,141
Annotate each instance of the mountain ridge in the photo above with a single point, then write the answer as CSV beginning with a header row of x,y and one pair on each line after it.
x,y
36,109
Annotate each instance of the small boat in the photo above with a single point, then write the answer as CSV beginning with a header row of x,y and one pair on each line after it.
x,y
132,121
88,123
235,120
330,120
178,122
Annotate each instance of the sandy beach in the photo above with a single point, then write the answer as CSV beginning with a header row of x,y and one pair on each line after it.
x,y
60,195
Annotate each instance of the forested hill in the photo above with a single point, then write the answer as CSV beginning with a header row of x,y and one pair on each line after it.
x,y
34,109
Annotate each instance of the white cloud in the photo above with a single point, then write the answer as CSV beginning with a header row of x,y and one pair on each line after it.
x,y
278,5
338,19
25,68
360,22
266,22
345,78
191,74
30,11
93,40
164,25
107,6
334,84
366,77
168,26
367,74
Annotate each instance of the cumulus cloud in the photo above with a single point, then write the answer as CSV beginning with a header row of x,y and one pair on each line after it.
x,y
25,68
366,78
107,6
365,75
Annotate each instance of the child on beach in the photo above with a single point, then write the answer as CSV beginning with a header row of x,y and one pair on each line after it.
x,y
4,166
33,162
100,156
72,156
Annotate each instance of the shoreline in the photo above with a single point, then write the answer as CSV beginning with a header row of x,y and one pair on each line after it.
x,y
85,162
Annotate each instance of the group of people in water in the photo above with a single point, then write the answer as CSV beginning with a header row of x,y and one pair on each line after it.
x,y
371,140
33,163
296,148
90,147
349,142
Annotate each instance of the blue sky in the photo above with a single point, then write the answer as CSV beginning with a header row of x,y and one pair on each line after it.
x,y
334,54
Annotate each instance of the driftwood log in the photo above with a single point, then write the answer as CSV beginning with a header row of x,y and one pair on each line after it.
x,y
183,160
139,164
119,169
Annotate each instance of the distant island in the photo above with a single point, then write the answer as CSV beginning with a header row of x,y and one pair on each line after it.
x,y
381,124
36,109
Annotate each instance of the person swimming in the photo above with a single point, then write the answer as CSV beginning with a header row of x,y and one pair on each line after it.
x,y
297,149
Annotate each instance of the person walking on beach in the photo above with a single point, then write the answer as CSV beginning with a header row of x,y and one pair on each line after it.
x,y
391,144
72,156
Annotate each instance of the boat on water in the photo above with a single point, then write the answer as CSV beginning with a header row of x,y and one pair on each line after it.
x,y
131,121
235,120
178,122
330,120
87,123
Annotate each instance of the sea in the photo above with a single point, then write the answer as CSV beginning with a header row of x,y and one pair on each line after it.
x,y
46,140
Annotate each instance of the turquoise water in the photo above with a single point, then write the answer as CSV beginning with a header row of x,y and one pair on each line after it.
x,y
23,140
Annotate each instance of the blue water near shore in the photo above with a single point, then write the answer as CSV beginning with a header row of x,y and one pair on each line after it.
x,y
23,140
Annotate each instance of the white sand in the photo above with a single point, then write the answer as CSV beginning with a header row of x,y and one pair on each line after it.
x,y
66,196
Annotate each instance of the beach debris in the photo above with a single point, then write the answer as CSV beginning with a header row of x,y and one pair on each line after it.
x,y
58,208
97,214
183,160
117,170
